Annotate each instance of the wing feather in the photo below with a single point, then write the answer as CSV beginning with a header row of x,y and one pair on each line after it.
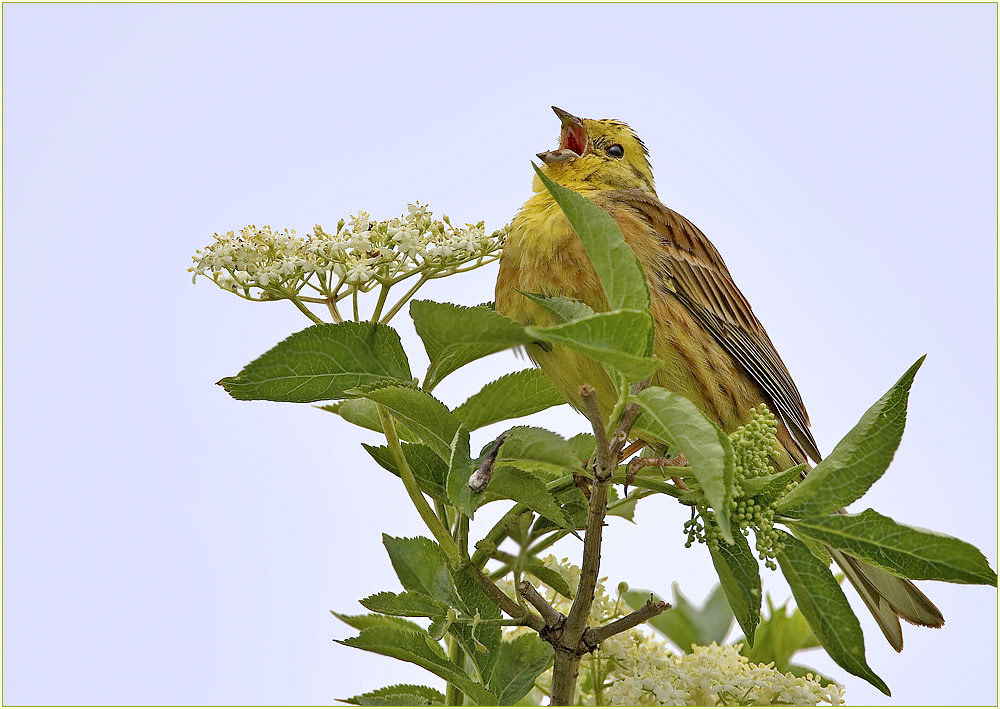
x,y
703,284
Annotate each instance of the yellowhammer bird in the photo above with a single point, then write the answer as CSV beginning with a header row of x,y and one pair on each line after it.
x,y
715,351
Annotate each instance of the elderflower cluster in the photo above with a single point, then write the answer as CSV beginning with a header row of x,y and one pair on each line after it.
x,y
264,264
636,668
644,672
754,445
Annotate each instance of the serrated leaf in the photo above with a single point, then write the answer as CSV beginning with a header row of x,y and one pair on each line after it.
x,y
740,578
412,604
583,445
908,552
525,443
779,637
512,483
616,339
421,566
519,663
574,509
376,620
424,652
399,695
430,471
454,335
825,607
617,266
428,419
670,418
322,362
860,458
511,396
684,623
565,309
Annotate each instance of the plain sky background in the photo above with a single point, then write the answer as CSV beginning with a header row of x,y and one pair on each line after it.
x,y
166,544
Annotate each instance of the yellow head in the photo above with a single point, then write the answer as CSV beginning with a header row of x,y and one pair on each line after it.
x,y
602,154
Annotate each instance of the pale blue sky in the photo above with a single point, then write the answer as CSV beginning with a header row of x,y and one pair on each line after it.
x,y
164,543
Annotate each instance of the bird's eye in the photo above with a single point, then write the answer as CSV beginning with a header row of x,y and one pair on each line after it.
x,y
616,151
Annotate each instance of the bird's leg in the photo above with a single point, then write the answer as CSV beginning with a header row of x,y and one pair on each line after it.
x,y
633,447
679,461
637,464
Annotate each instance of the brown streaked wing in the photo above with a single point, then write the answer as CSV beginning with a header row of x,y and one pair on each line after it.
x,y
706,288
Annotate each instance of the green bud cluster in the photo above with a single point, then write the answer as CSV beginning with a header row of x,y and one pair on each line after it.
x,y
755,445
702,528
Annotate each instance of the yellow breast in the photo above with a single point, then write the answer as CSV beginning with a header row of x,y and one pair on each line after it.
x,y
544,255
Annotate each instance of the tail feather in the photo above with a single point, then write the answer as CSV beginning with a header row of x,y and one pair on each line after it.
x,y
889,598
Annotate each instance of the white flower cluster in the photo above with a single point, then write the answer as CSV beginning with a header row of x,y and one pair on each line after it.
x,y
263,264
645,672
639,669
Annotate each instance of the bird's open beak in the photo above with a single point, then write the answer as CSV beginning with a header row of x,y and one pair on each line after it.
x,y
573,139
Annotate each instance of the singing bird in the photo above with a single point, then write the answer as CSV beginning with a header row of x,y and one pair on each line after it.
x,y
715,351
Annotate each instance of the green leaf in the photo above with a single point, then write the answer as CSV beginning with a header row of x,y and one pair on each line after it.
x,y
858,460
622,507
430,471
574,508
740,578
322,362
399,695
686,624
536,445
908,552
617,339
768,488
412,604
550,577
455,335
822,602
616,264
424,652
512,483
779,637
376,620
460,467
474,600
519,663
511,396
583,445
670,418
421,566
421,413
565,309
362,412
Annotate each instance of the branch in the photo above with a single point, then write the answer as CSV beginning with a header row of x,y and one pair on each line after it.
x,y
595,636
630,414
508,605
553,618
576,621
592,410
570,647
